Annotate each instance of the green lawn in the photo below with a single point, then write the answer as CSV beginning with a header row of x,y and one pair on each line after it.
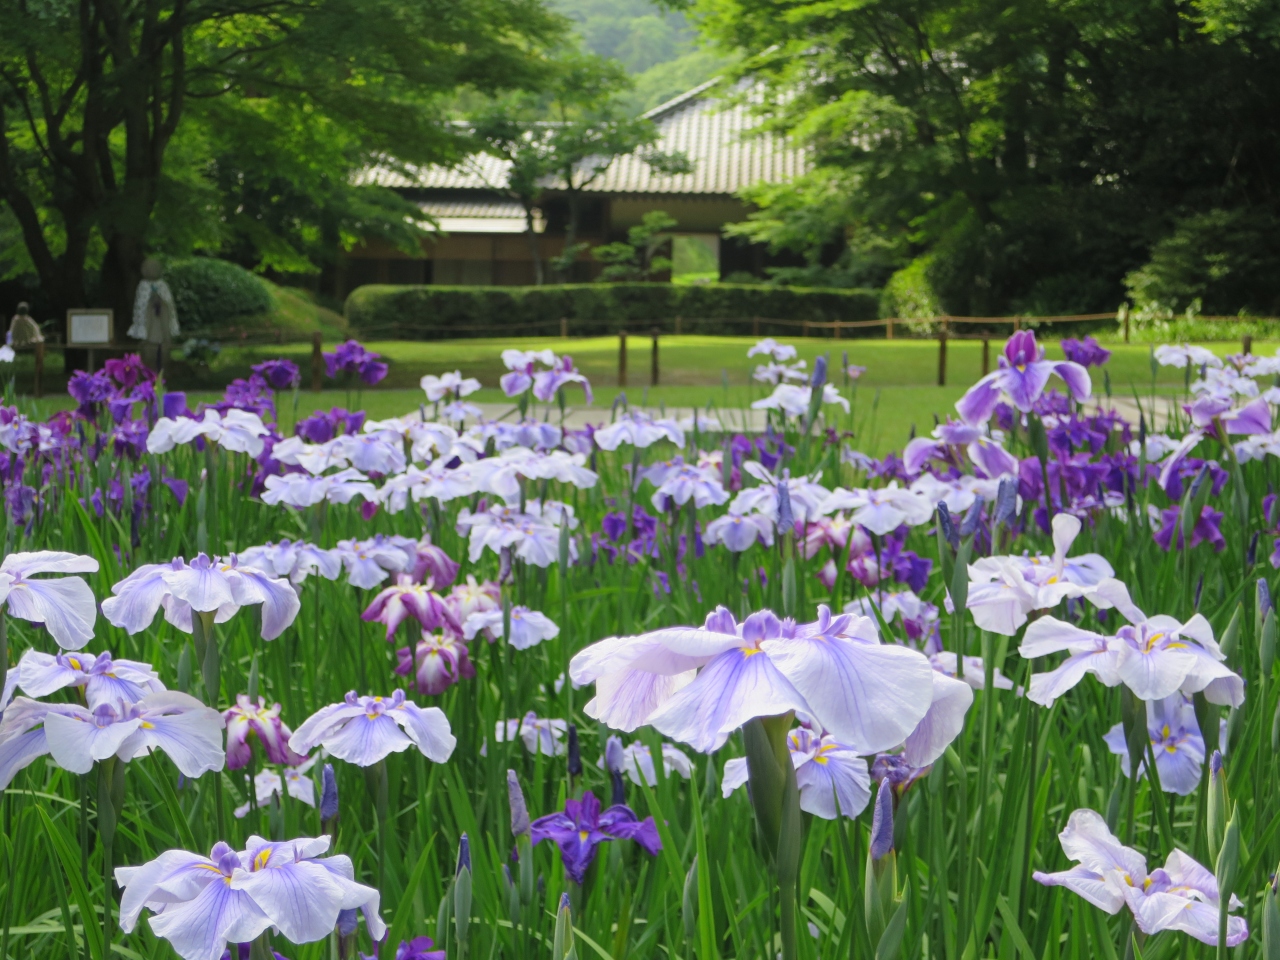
x,y
694,370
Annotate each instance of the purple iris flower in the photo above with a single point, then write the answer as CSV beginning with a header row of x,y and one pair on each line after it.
x,y
175,406
1087,352
419,948
279,374
435,564
128,371
363,730
1208,527
262,721
321,426
89,390
437,662
103,679
1176,744
547,383
1021,378
20,501
405,600
582,827
352,358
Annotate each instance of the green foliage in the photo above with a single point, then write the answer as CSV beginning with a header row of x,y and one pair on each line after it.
x,y
1035,150
433,312
910,294
1229,260
211,294
637,258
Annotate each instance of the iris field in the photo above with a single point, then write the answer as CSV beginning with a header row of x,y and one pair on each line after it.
x,y
428,687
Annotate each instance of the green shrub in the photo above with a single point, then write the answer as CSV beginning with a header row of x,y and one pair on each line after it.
x,y
210,295
436,312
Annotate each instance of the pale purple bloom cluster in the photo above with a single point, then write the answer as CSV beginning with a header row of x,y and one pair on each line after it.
x,y
448,385
545,736
202,903
533,536
636,761
290,781
1176,744
699,684
101,678
528,627
1181,895
640,430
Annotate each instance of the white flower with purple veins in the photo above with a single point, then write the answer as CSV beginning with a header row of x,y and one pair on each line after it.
x,y
1155,657
64,605
528,627
1180,354
699,684
371,561
771,373
1004,591
881,510
315,458
203,903
547,383
1175,741
1207,413
794,400
771,348
1226,383
534,434
827,772
236,430
738,533
958,493
380,451
706,422
806,494
364,730
76,737
207,586
303,490
460,410
638,429
448,385
531,536
104,680
1181,895
521,364
501,474
636,761
686,482
975,672
1021,379
294,559
294,782
539,735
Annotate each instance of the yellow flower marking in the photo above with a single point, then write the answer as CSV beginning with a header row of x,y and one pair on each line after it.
x,y
261,860
583,835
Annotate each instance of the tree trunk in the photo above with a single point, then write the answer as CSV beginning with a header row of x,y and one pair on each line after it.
x,y
534,253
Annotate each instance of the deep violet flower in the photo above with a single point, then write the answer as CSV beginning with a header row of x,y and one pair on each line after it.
x,y
352,357
1086,352
279,374
405,600
1021,378
1208,527
583,826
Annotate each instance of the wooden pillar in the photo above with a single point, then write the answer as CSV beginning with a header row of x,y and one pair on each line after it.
x,y
622,358
804,330
835,330
653,372
755,327
986,356
1124,316
317,361
39,384
888,329
1017,324
679,325
942,355
1246,344
564,328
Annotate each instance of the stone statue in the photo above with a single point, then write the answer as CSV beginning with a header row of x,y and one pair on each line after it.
x,y
155,318
23,331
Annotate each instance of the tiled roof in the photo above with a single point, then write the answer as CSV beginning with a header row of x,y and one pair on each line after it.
x,y
713,134
488,209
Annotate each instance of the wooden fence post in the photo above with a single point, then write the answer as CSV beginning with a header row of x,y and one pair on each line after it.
x,y
622,358
1246,344
679,325
39,384
888,329
317,362
564,328
986,356
942,355
804,330
653,373
1125,314
755,327
1017,324
835,330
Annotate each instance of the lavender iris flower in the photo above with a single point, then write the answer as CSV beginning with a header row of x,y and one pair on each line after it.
x,y
76,737
739,533
881,510
65,606
582,827
448,385
264,722
1021,379
545,736
1154,656
206,585
547,383
268,784
295,560
1181,895
363,730
521,364
827,773
807,495
636,761
640,430
1175,741
104,680
200,903
687,482
533,536
528,627
699,684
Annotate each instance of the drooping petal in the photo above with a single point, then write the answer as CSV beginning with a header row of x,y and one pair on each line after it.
x,y
428,728
943,721
200,928
173,877
76,741
626,699
66,607
365,742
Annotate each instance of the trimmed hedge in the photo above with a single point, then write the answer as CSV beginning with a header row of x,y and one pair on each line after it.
x,y
210,294
438,312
